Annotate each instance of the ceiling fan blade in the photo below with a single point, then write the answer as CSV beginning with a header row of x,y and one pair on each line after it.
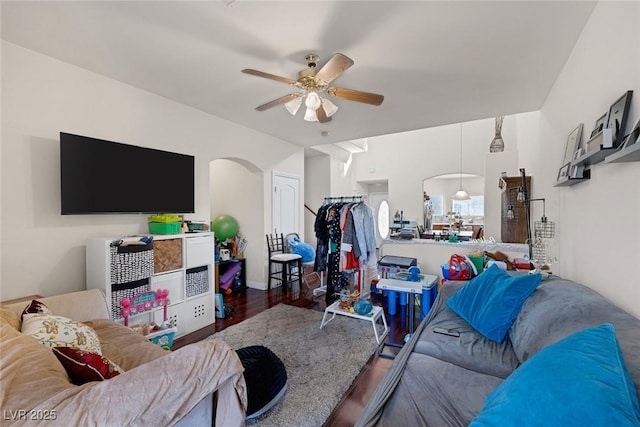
x,y
269,76
356,95
337,65
322,115
278,101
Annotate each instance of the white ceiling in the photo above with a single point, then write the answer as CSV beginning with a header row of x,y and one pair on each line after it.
x,y
436,62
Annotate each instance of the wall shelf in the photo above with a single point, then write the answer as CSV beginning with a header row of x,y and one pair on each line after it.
x,y
566,182
598,147
627,154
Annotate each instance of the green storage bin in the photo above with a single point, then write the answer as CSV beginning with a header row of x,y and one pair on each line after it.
x,y
164,227
165,218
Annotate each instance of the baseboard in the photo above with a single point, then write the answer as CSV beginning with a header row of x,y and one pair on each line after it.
x,y
256,285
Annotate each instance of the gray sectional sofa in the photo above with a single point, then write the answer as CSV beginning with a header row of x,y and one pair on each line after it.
x,y
440,380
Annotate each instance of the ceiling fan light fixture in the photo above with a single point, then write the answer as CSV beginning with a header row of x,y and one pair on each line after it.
x,y
313,101
329,107
294,105
310,83
310,115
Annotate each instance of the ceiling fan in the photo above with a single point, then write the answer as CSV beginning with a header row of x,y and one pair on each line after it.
x,y
311,84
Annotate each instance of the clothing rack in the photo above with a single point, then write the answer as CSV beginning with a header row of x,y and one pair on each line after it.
x,y
343,199
322,289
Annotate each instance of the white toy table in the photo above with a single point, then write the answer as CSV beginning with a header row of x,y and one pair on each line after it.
x,y
373,317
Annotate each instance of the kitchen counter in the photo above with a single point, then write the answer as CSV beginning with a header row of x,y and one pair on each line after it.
x,y
431,254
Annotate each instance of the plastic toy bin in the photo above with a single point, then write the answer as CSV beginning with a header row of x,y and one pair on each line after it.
x,y
164,227
388,267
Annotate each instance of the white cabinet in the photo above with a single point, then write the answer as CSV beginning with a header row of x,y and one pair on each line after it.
x,y
199,251
180,263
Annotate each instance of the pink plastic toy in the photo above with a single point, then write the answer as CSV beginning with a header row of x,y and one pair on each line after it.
x,y
144,301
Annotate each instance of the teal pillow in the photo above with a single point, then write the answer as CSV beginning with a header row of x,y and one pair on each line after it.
x,y
581,380
492,300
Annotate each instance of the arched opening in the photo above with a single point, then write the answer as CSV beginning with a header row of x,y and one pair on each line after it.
x,y
439,206
237,189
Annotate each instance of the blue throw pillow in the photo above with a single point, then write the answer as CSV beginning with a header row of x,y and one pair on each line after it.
x,y
491,301
581,380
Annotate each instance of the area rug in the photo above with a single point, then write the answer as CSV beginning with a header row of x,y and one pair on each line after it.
x,y
321,363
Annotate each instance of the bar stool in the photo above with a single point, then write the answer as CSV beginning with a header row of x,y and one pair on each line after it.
x,y
290,264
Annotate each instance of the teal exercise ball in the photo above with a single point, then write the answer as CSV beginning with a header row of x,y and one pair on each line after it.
x,y
225,227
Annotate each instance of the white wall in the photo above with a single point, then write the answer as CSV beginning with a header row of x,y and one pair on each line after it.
x,y
597,231
42,251
406,159
237,190
596,221
317,170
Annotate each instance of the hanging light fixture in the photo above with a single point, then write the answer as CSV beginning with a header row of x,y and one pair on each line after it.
x,y
497,145
293,105
461,194
313,101
510,214
329,107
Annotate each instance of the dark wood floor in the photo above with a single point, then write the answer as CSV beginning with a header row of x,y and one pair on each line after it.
x,y
249,302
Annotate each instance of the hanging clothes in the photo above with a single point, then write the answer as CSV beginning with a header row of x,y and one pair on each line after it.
x,y
322,236
349,248
365,233
345,237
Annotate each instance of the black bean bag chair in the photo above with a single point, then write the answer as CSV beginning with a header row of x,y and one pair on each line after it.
x,y
266,379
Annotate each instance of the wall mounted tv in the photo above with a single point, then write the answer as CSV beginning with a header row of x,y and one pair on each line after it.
x,y
104,177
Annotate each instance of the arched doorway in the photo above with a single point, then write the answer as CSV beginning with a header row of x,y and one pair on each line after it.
x,y
237,189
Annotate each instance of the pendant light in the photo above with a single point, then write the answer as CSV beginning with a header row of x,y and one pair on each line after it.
x,y
461,194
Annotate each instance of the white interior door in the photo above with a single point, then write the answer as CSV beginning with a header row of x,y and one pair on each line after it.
x,y
286,203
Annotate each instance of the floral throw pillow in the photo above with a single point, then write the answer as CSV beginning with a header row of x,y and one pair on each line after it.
x,y
83,366
59,331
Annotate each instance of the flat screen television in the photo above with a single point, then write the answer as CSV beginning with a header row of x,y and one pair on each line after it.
x,y
104,177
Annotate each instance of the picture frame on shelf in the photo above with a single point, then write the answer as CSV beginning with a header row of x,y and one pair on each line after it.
x,y
573,149
577,171
563,173
579,152
599,125
633,137
617,118
625,142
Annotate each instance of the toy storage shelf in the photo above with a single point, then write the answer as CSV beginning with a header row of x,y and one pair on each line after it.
x,y
180,263
223,266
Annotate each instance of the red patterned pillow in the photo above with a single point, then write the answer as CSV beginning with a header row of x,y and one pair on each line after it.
x,y
36,307
83,366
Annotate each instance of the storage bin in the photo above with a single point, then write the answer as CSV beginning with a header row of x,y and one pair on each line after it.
x,y
131,263
126,290
167,255
164,227
165,218
197,281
